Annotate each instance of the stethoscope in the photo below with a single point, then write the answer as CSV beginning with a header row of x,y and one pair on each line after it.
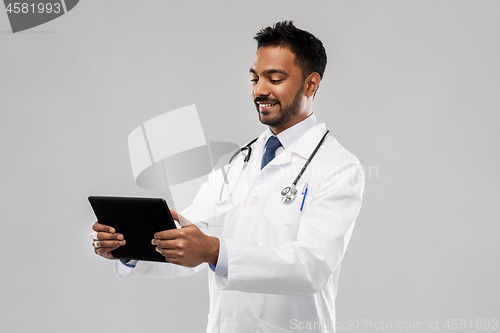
x,y
288,193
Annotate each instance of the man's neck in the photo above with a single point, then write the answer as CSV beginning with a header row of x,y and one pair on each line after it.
x,y
278,130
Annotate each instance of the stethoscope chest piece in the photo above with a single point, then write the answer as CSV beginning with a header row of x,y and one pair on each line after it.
x,y
288,193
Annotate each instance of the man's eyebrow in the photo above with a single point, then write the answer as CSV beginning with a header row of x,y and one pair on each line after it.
x,y
270,71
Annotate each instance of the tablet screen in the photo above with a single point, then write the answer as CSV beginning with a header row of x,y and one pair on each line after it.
x,y
138,219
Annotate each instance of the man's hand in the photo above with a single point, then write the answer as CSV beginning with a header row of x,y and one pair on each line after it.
x,y
105,239
187,246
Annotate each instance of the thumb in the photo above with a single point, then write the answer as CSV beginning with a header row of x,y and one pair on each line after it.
x,y
184,222
174,214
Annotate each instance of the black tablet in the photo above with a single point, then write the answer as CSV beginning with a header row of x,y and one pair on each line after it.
x,y
138,219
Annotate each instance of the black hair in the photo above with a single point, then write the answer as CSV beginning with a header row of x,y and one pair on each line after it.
x,y
309,52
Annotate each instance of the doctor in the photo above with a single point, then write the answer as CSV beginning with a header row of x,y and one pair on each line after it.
x,y
274,265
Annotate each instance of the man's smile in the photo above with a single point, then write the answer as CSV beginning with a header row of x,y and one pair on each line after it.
x,y
265,105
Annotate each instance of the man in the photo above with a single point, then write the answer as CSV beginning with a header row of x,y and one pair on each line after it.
x,y
274,264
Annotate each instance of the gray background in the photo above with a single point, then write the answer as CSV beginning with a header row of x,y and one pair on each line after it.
x,y
411,88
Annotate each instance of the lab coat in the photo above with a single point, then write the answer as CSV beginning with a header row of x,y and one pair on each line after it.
x,y
283,262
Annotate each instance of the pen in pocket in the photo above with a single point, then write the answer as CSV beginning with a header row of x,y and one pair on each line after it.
x,y
304,193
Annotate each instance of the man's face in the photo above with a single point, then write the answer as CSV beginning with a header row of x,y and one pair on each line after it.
x,y
277,88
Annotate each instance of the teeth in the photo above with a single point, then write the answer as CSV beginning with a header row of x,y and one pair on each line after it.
x,y
267,105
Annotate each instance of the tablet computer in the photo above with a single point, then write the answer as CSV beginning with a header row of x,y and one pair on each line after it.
x,y
138,219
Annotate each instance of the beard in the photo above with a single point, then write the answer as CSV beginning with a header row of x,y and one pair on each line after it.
x,y
285,114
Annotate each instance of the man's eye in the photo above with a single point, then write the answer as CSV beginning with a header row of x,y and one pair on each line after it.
x,y
254,80
276,81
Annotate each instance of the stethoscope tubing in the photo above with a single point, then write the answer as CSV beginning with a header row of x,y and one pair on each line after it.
x,y
310,158
289,192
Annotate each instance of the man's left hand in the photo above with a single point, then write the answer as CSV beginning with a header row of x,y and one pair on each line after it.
x,y
187,246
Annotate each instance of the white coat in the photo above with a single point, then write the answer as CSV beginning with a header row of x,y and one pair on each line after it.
x,y
283,263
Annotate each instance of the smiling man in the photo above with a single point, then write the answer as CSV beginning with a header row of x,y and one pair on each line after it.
x,y
284,82
274,253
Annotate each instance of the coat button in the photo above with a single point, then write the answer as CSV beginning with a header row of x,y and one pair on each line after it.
x,y
253,201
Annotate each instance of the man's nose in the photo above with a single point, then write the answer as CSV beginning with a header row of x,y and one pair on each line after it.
x,y
261,89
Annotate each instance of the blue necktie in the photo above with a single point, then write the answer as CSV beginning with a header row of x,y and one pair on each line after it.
x,y
272,144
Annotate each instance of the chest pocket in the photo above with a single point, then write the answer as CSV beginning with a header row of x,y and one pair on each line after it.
x,y
281,221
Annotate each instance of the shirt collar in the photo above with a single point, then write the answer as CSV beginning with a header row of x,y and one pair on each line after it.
x,y
289,136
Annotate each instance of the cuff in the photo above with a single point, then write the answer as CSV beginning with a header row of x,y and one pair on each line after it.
x,y
221,268
123,268
129,263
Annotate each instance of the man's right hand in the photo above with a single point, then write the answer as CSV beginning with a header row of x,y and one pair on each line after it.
x,y
105,239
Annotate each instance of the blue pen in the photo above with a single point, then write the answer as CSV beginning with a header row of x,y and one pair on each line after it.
x,y
304,193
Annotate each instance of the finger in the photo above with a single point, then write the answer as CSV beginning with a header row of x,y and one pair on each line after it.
x,y
167,234
103,228
169,253
106,235
171,256
105,252
108,244
164,244
174,214
171,260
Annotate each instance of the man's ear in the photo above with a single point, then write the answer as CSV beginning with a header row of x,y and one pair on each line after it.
x,y
312,84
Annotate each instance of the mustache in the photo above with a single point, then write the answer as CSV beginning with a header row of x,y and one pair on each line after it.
x,y
264,100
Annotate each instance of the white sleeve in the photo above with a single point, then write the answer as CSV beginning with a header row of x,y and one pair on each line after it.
x,y
304,266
